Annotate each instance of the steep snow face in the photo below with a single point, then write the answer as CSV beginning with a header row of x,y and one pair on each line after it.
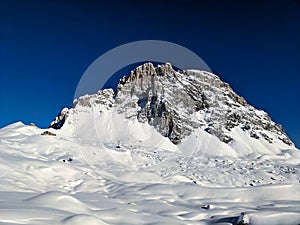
x,y
178,105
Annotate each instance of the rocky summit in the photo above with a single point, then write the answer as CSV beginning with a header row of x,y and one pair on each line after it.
x,y
176,103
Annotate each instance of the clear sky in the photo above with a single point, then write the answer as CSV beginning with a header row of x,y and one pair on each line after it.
x,y
45,47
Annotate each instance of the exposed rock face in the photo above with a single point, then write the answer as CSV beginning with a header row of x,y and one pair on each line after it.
x,y
178,102
59,121
162,99
103,97
48,133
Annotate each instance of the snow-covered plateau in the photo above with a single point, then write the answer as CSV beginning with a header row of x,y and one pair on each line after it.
x,y
167,147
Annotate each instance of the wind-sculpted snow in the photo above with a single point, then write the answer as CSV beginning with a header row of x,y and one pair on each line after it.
x,y
63,180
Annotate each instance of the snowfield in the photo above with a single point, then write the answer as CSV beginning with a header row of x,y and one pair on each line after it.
x,y
63,180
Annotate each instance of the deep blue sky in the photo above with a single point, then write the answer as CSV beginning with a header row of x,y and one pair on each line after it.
x,y
45,47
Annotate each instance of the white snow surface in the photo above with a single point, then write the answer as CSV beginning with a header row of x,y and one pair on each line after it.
x,y
66,180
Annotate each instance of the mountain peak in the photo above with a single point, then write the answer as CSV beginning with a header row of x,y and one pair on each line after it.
x,y
147,69
179,103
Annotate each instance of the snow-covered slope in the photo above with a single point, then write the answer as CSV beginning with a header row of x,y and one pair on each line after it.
x,y
167,148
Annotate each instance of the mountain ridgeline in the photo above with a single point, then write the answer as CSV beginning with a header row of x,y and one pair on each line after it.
x,y
179,103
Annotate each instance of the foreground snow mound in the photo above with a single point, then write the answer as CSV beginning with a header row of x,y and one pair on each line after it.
x,y
82,219
182,203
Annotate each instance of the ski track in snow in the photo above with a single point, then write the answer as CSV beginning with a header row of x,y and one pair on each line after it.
x,y
63,180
